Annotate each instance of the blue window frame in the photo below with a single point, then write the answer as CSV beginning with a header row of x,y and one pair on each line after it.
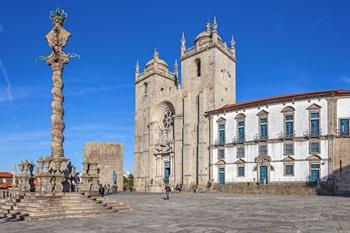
x,y
263,128
315,123
240,125
289,126
240,152
315,147
344,127
288,148
315,173
240,171
222,133
262,150
221,175
221,153
289,170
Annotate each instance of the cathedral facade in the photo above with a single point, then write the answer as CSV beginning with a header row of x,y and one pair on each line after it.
x,y
171,130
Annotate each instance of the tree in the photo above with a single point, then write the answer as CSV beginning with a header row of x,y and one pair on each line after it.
x,y
128,182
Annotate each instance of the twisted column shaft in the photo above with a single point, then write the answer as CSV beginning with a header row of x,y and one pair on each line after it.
x,y
57,123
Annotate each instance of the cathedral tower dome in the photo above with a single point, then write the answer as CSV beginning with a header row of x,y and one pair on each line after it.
x,y
207,35
156,62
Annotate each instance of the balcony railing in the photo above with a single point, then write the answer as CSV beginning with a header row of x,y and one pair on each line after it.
x,y
219,142
312,133
238,140
284,135
343,133
261,137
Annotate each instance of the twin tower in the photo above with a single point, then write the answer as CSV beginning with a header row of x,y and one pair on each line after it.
x,y
171,130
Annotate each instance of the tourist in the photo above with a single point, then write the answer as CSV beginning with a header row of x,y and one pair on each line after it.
x,y
167,190
101,190
105,190
177,188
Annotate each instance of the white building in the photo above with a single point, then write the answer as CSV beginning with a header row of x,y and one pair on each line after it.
x,y
292,138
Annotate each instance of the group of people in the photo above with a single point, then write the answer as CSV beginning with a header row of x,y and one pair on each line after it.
x,y
107,189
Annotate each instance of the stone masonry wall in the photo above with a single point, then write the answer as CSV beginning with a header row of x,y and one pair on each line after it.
x,y
109,157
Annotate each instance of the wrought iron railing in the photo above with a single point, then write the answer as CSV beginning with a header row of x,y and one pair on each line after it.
x,y
286,135
258,137
238,140
343,133
312,133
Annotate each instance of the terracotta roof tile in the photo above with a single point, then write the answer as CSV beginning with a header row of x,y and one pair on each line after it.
x,y
277,99
5,175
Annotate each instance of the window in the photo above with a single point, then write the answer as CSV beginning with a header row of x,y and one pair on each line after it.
x,y
240,152
240,172
221,133
314,147
198,63
344,127
315,123
288,148
289,126
221,154
289,169
145,89
240,125
263,128
262,150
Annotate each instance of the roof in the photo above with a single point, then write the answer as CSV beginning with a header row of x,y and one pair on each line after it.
x,y
269,100
5,175
5,185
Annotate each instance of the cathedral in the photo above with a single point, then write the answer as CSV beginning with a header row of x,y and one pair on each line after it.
x,y
194,133
171,130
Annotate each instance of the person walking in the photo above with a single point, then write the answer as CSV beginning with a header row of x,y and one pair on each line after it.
x,y
167,190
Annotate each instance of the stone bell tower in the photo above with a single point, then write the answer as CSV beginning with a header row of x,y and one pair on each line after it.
x,y
208,82
157,99
171,132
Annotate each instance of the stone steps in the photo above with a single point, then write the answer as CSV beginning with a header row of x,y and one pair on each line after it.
x,y
34,207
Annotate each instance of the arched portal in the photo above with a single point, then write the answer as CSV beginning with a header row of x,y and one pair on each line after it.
x,y
164,151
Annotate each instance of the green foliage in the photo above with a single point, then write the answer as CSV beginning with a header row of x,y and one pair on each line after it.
x,y
128,182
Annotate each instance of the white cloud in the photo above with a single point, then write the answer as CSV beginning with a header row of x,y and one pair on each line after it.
x,y
9,86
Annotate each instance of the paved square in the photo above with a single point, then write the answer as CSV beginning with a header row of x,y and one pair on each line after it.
x,y
214,212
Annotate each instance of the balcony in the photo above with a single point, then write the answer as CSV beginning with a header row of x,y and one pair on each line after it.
x,y
312,133
343,133
261,138
286,136
238,140
219,142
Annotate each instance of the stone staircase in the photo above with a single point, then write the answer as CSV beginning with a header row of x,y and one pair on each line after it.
x,y
37,207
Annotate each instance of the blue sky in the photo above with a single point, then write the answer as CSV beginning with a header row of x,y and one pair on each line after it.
x,y
282,47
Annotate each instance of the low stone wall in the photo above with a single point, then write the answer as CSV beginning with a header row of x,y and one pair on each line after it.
x,y
272,188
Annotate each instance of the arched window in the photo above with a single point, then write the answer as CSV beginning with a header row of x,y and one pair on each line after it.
x,y
198,63
145,89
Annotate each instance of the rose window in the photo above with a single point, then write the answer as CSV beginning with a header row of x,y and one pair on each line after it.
x,y
168,119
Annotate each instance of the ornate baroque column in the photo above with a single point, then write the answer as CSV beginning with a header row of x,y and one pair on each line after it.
x,y
57,39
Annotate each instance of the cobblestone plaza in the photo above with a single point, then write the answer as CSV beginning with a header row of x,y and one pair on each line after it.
x,y
212,212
